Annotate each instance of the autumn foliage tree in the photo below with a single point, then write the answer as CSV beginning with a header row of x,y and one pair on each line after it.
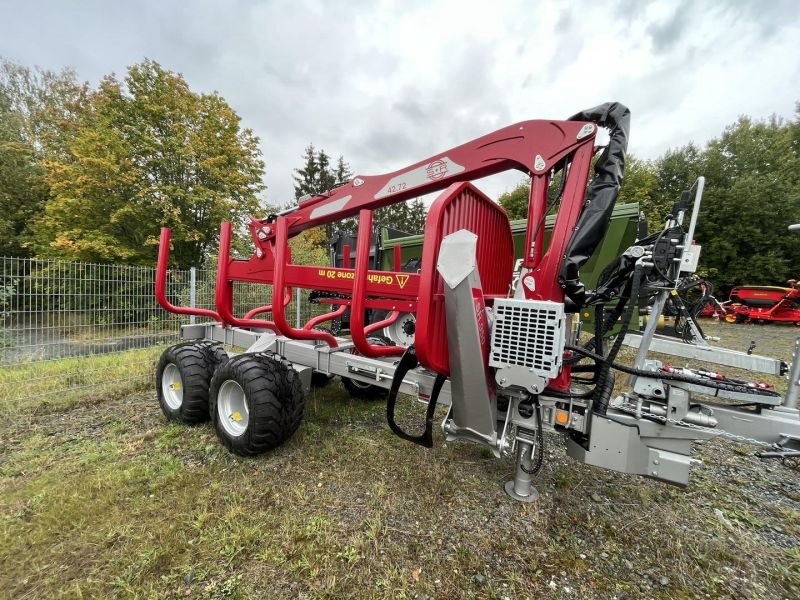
x,y
149,152
37,110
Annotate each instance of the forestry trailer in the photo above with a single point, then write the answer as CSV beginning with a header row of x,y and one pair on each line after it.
x,y
494,341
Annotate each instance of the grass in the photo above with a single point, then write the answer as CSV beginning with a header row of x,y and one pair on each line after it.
x,y
101,497
33,388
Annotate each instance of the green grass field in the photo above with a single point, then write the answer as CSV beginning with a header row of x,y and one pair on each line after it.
x,y
101,497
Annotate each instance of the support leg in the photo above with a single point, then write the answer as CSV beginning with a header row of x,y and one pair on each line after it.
x,y
520,487
794,378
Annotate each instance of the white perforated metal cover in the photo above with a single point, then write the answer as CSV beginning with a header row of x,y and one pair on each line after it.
x,y
530,334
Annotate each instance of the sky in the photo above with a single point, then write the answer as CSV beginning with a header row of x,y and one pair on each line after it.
x,y
387,84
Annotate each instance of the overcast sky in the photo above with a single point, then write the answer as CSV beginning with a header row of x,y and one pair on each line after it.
x,y
389,83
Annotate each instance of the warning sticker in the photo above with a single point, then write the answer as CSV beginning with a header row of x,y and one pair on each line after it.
x,y
376,278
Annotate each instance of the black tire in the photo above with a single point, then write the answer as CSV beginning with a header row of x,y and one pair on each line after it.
x,y
273,398
215,353
363,391
367,391
190,366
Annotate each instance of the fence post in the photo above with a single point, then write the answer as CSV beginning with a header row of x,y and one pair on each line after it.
x,y
192,292
297,307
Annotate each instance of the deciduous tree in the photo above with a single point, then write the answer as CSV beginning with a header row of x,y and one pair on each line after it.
x,y
149,152
515,202
38,110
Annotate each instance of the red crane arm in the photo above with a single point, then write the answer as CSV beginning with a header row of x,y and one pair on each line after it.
x,y
533,147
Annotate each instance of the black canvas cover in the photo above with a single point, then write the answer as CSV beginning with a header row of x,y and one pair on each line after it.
x,y
601,194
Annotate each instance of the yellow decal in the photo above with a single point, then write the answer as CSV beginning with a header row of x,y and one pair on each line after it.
x,y
176,386
237,416
402,280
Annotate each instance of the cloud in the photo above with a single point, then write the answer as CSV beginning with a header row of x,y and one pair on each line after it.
x,y
666,34
387,84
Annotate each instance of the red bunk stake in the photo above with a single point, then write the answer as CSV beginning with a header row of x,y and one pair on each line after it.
x,y
357,330
161,281
224,293
279,287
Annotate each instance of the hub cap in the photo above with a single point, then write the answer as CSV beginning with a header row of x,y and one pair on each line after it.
x,y
172,386
232,408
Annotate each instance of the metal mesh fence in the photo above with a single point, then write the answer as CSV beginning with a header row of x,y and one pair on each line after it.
x,y
70,329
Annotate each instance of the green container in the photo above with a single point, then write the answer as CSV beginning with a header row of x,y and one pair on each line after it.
x,y
621,234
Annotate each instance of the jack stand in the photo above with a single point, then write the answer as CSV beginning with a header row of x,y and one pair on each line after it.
x,y
520,487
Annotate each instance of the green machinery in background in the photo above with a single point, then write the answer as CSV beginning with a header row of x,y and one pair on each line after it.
x,y
621,234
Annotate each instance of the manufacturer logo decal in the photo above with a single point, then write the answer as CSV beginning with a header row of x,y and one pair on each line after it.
x,y
436,170
401,280
407,180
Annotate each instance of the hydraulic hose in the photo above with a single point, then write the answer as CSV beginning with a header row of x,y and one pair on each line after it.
x,y
604,376
721,385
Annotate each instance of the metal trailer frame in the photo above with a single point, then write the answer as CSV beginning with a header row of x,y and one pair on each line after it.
x,y
496,347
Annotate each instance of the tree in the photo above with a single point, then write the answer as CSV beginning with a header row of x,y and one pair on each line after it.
x,y
408,217
515,202
37,112
310,247
752,194
640,184
149,152
21,187
342,174
317,177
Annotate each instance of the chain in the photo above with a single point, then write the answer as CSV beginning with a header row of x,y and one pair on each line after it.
x,y
627,406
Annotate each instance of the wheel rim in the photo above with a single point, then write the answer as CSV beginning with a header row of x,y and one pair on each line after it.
x,y
232,408
172,386
360,384
402,331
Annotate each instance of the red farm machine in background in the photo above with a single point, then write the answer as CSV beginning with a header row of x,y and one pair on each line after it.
x,y
498,344
764,304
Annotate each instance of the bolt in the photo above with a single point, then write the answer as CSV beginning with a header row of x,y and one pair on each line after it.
x,y
655,472
655,462
259,253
